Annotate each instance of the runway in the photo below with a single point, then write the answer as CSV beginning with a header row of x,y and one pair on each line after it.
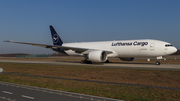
x,y
17,92
107,65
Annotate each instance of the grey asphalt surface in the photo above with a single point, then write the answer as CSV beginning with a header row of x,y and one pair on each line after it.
x,y
175,67
17,92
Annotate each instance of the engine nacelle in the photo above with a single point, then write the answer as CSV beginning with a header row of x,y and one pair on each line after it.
x,y
97,56
127,58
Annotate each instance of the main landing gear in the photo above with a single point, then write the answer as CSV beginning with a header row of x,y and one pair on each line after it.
x,y
86,61
107,61
90,62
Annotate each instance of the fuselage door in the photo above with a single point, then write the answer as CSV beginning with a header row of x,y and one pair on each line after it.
x,y
152,45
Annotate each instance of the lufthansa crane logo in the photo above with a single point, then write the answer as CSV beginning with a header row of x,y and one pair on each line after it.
x,y
55,38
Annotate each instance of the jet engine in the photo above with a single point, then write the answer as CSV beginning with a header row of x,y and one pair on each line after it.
x,y
127,58
97,56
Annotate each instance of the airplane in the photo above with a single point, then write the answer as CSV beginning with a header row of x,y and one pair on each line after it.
x,y
126,50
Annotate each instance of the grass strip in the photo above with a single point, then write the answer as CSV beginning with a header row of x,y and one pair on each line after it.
x,y
95,81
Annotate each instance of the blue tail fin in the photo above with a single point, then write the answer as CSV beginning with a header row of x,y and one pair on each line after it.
x,y
55,37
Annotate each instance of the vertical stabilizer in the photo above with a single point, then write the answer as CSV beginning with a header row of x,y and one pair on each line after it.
x,y
55,37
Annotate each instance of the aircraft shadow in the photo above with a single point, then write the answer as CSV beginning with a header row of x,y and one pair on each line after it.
x,y
99,63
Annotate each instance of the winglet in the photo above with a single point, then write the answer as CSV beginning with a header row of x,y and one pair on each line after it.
x,y
55,37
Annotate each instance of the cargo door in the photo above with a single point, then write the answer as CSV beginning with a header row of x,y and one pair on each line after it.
x,y
152,46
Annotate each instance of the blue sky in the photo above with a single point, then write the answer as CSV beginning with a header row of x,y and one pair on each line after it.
x,y
86,20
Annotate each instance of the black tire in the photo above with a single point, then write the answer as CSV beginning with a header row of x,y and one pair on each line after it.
x,y
88,62
82,61
158,63
107,61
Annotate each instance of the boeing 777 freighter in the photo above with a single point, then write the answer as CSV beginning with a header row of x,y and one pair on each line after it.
x,y
100,51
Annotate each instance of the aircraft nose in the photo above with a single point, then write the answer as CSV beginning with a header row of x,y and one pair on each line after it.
x,y
175,49
170,50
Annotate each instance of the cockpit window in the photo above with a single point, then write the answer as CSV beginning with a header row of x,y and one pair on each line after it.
x,y
168,45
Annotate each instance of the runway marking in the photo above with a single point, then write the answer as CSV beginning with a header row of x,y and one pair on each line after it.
x,y
7,92
27,97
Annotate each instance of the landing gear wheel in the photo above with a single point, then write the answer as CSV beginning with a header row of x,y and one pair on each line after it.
x,y
107,61
82,61
86,62
158,63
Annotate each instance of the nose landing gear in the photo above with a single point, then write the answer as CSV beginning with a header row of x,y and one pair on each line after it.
x,y
158,60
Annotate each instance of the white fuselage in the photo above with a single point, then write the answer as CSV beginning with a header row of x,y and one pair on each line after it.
x,y
127,48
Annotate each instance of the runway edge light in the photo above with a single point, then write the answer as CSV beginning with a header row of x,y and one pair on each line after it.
x,y
1,70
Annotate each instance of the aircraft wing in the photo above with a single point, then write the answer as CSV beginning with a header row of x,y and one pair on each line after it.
x,y
76,49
